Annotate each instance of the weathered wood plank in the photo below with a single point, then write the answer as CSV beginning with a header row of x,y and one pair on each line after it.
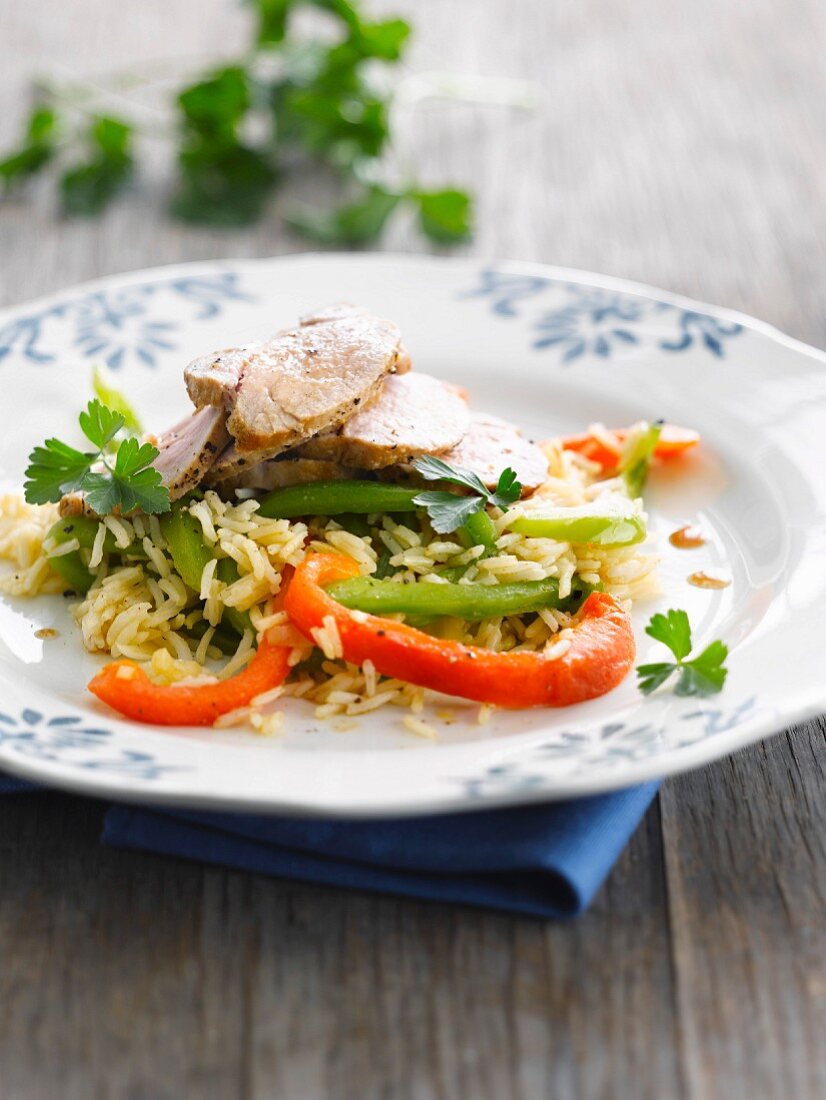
x,y
127,975
746,872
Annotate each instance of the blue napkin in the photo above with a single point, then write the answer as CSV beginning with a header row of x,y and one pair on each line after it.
x,y
545,861
9,784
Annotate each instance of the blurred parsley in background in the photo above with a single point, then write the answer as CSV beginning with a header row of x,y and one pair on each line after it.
x,y
310,102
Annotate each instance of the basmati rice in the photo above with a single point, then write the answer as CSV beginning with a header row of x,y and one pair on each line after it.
x,y
139,608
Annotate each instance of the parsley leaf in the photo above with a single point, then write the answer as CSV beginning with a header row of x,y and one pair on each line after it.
x,y
137,478
507,490
305,95
36,149
90,186
357,223
56,468
448,511
445,216
654,675
224,180
99,424
436,469
705,674
672,629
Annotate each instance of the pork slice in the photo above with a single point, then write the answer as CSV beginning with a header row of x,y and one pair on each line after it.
x,y
492,444
301,382
214,379
339,310
188,450
278,473
413,415
231,464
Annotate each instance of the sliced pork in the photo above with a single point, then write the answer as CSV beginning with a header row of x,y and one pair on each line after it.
x,y
339,310
492,444
277,473
413,415
189,449
302,382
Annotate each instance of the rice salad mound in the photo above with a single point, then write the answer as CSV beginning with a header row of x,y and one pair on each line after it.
x,y
139,607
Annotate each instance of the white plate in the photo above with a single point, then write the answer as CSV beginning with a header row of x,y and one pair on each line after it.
x,y
548,348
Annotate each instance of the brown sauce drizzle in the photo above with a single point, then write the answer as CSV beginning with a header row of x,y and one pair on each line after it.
x,y
707,580
687,538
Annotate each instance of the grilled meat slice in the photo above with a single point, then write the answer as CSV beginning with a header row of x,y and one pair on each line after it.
x,y
231,464
413,415
339,310
277,473
190,448
492,444
302,382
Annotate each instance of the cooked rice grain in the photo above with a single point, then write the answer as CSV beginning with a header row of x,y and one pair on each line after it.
x,y
144,611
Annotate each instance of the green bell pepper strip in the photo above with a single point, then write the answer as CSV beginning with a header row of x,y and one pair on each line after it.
x,y
354,524
471,602
478,530
615,522
335,498
185,539
240,621
383,566
636,457
225,640
82,528
71,566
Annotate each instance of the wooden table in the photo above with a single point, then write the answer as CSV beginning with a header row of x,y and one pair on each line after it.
x,y
683,145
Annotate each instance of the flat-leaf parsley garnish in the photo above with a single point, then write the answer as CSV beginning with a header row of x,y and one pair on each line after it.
x,y
448,511
704,674
122,480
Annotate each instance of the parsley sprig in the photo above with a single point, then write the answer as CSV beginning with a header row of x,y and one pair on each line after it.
x,y
294,100
123,479
448,511
704,674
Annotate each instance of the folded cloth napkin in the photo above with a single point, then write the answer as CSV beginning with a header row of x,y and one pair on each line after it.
x,y
546,861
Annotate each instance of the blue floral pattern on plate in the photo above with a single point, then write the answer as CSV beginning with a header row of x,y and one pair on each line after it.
x,y
68,741
112,325
592,321
616,743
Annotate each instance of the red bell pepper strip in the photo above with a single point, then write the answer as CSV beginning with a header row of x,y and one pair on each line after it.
x,y
673,443
601,654
134,695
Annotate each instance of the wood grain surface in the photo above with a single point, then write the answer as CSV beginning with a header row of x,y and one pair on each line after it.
x,y
682,145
